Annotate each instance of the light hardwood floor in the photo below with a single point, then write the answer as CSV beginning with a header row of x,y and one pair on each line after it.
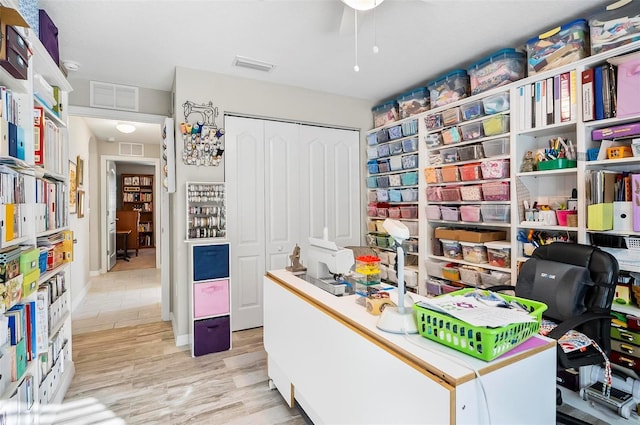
x,y
130,371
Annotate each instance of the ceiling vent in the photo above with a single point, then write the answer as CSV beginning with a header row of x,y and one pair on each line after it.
x,y
257,65
113,96
131,149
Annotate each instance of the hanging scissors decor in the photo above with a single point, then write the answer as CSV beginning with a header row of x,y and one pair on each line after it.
x,y
203,141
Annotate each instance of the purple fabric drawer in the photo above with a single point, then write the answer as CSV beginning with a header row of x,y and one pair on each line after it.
x,y
211,335
49,36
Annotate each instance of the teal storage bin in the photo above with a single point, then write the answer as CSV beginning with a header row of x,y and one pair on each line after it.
x,y
410,178
395,195
372,182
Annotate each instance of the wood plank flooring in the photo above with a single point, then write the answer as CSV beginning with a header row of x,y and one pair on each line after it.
x,y
136,375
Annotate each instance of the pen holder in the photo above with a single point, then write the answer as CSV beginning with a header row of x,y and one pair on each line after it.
x,y
600,216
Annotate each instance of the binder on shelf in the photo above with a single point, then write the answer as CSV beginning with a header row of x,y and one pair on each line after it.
x,y
635,189
550,101
537,113
565,97
573,84
588,106
556,99
597,93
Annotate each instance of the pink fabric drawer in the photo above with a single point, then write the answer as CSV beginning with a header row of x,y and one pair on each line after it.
x,y
211,298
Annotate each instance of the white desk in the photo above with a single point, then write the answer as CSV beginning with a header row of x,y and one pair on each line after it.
x,y
327,354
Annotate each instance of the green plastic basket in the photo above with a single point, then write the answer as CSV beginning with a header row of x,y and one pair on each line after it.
x,y
480,342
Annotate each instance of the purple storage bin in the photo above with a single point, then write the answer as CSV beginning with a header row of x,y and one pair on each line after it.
x,y
211,335
450,213
48,34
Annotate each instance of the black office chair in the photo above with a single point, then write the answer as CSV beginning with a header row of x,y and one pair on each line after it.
x,y
577,283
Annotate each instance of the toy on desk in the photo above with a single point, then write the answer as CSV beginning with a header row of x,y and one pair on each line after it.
x,y
296,265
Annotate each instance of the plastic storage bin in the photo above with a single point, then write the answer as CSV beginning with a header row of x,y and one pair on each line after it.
x,y
450,213
499,253
410,145
410,195
495,213
413,102
372,139
382,181
372,152
497,147
558,46
394,212
449,88
451,272
395,163
433,175
496,103
433,139
385,113
433,121
382,135
494,125
471,274
472,130
372,167
449,155
479,342
433,212
494,169
471,193
472,110
394,180
395,195
410,178
434,194
383,150
450,193
409,128
383,165
435,159
450,174
470,213
469,153
395,148
382,195
451,135
474,252
451,116
470,172
502,67
613,27
409,212
372,196
395,132
494,278
451,249
496,191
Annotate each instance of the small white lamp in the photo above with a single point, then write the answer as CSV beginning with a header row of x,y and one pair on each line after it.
x,y
398,319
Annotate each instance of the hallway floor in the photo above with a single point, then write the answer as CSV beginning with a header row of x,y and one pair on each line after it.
x,y
119,299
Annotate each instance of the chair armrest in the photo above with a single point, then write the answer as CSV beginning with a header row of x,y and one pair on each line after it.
x,y
569,324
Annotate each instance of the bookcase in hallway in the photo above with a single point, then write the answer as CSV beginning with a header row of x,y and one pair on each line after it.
x,y
137,195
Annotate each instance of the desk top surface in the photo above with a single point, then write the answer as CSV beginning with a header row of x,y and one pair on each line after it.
x,y
123,232
435,359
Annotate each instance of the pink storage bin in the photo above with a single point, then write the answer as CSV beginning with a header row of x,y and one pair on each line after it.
x,y
383,212
495,169
433,212
211,298
470,172
372,211
450,193
409,212
471,193
434,194
450,213
470,213
394,212
562,216
498,191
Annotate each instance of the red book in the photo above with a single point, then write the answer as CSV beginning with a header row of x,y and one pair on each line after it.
x,y
38,135
588,104
565,97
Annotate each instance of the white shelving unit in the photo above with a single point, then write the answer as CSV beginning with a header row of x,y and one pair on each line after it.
x,y
49,373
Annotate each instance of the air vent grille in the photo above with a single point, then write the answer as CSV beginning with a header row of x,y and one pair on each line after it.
x,y
113,96
131,149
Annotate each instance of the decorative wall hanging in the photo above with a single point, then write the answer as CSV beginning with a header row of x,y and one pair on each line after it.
x,y
203,142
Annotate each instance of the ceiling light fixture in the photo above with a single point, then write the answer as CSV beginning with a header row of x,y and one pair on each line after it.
x,y
125,128
71,66
361,5
253,64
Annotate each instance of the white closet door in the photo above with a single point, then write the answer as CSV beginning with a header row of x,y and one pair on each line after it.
x,y
245,169
283,193
330,168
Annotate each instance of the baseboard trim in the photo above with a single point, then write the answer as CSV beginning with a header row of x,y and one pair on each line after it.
x,y
94,273
80,298
181,340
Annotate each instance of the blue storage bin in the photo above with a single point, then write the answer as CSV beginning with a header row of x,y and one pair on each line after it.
x,y
409,128
449,88
372,166
395,132
385,113
382,136
372,139
42,260
395,195
372,152
382,181
413,102
410,161
410,145
383,150
558,46
210,261
395,148
372,182
410,178
500,68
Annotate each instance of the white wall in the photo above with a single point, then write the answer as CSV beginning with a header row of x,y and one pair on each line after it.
x,y
247,97
79,140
